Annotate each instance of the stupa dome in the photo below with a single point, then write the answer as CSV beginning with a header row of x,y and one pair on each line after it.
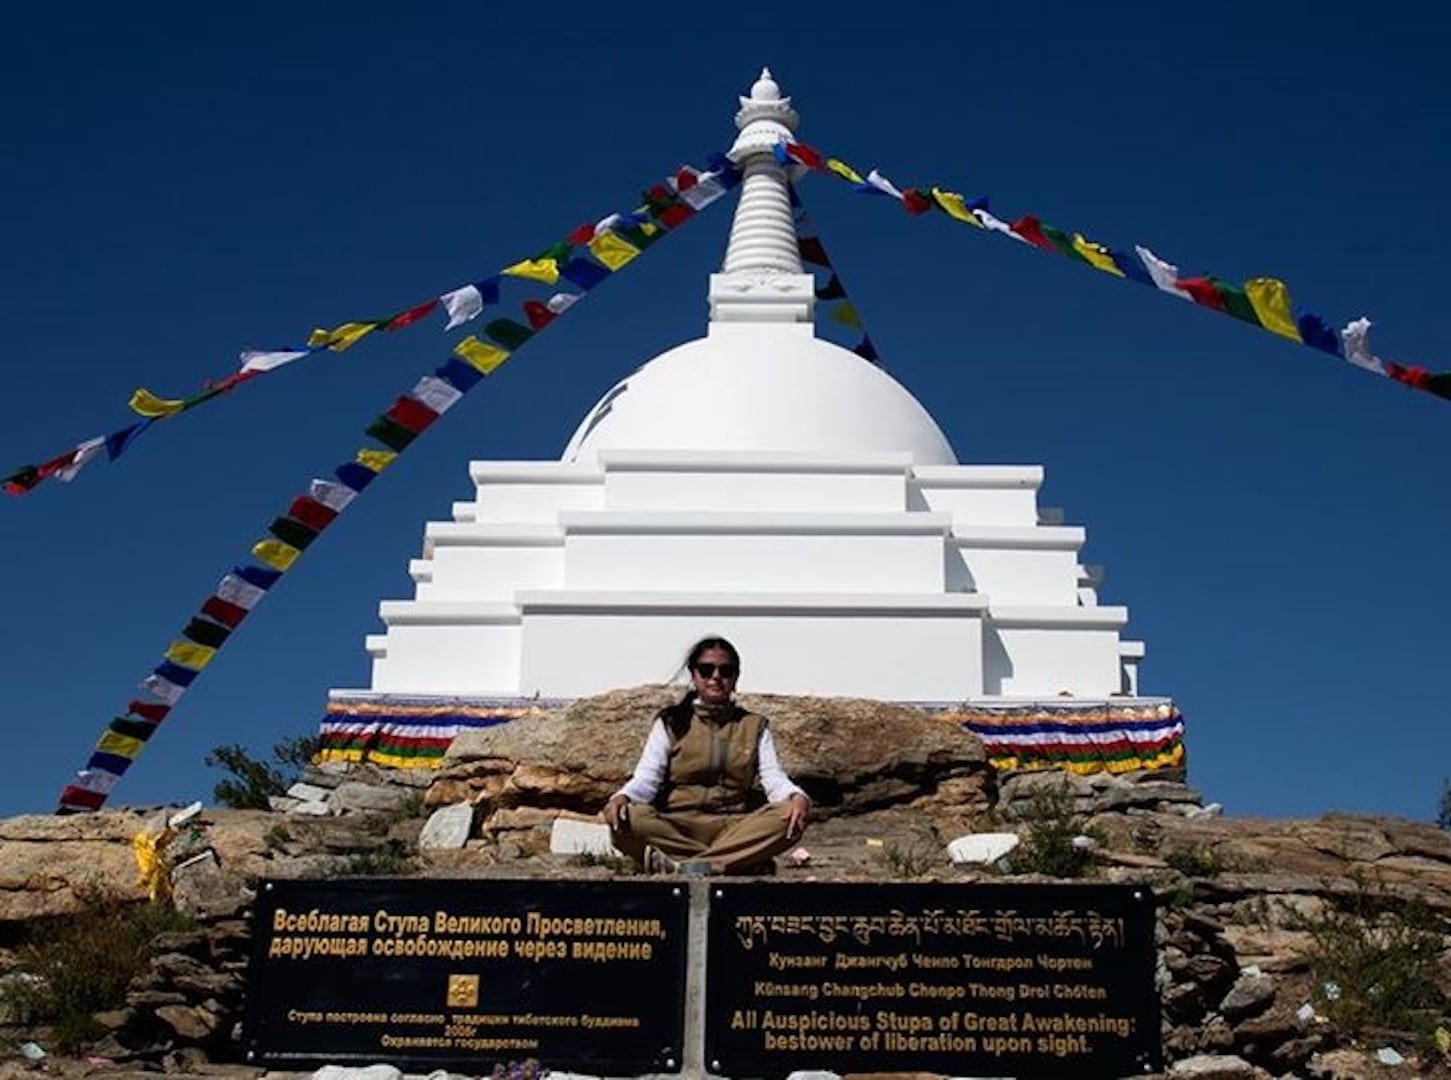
x,y
761,387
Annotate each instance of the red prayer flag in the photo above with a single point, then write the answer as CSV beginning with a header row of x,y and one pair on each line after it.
x,y
807,156
914,202
1031,230
1202,291
1416,377
672,216
685,178
411,413
223,611
582,235
311,513
73,796
411,316
149,710
538,314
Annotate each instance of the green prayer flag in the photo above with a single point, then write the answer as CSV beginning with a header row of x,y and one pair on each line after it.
x,y
390,433
508,333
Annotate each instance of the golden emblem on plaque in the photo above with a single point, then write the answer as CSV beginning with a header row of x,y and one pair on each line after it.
x,y
463,991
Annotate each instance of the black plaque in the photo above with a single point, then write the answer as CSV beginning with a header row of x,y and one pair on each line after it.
x,y
981,980
467,974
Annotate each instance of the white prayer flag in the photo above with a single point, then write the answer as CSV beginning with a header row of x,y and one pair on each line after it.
x,y
97,780
881,183
1356,337
438,395
84,453
996,224
462,305
244,594
331,494
164,689
1164,274
259,360
561,302
707,189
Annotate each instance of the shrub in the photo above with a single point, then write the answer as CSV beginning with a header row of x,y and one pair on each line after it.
x,y
1443,811
389,861
85,962
912,856
1378,964
252,781
1048,847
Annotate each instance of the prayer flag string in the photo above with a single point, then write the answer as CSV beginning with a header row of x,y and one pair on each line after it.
x,y
612,243
1262,301
831,296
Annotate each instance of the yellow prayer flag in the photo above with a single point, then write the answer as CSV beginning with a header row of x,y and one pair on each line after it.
x,y
275,553
376,460
480,354
1096,255
152,872
342,337
146,403
545,270
1271,300
956,206
611,250
190,654
847,314
113,742
844,170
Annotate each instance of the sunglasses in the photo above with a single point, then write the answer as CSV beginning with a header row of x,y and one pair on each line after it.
x,y
708,671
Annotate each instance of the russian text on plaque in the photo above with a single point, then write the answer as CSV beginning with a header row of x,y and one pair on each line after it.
x,y
464,974
988,980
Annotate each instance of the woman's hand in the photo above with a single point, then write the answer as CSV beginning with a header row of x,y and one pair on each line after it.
x,y
797,809
617,812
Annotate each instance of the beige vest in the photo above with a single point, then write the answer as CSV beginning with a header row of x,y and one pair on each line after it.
x,y
714,764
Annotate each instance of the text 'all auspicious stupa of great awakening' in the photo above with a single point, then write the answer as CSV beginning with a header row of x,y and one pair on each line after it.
x,y
816,515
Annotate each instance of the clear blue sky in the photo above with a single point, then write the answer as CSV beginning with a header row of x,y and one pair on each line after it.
x,y
185,181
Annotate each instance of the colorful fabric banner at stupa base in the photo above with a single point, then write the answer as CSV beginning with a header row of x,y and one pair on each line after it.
x,y
410,732
1115,736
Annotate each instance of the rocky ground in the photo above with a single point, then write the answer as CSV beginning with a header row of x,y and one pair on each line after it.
x,y
1252,913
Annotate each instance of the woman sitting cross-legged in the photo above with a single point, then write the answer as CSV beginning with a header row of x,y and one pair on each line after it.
x,y
709,794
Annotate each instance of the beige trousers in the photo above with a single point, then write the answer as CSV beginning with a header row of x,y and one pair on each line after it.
x,y
731,843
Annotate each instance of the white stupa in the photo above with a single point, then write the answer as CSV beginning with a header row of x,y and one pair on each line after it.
x,y
807,507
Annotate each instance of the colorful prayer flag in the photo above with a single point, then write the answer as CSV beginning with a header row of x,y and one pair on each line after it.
x,y
206,632
437,394
275,553
482,355
311,513
584,273
1096,255
162,689
461,376
538,314
845,171
411,413
955,206
332,495
1271,300
545,270
234,590
612,251
293,533
228,614
376,460
411,316
390,433
882,184
189,654
846,313
342,337
145,403
1164,275
508,333
561,302
1356,337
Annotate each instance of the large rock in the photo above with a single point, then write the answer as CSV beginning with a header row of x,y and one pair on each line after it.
x,y
851,755
53,865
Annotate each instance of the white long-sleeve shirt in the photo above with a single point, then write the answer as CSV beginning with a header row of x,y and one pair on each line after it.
x,y
655,761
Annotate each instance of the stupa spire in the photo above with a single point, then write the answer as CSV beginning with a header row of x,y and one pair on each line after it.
x,y
761,278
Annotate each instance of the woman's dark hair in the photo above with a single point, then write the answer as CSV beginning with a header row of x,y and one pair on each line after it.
x,y
677,716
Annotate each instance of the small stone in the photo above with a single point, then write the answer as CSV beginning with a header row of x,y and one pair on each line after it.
x,y
981,849
1305,1014
307,792
812,1074
114,1019
280,804
569,836
1250,995
1213,810
352,795
1212,1067
369,1072
448,828
189,1023
1388,1055
31,1051
311,809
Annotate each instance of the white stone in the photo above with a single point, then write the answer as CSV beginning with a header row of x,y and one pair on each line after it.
x,y
311,809
1212,1067
1305,1014
281,804
448,827
307,792
569,836
354,795
368,1072
982,849
1212,810
1388,1055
